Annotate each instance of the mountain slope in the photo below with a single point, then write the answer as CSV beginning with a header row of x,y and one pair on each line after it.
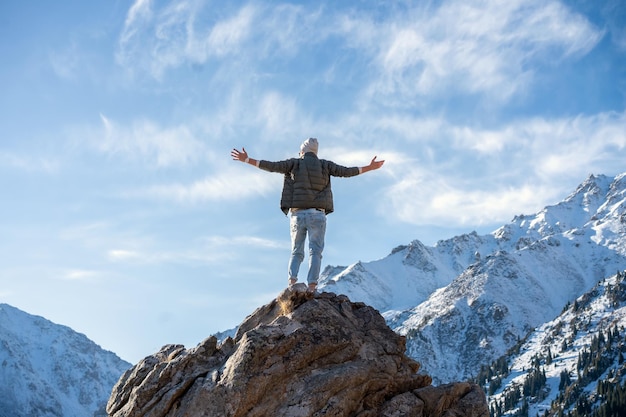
x,y
572,363
50,370
468,299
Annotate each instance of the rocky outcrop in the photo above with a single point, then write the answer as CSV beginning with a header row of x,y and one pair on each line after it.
x,y
301,355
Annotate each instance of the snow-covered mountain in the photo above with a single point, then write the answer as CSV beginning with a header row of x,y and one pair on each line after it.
x,y
571,364
467,300
50,370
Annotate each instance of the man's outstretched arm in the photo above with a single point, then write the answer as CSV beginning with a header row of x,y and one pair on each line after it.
x,y
372,166
270,166
243,157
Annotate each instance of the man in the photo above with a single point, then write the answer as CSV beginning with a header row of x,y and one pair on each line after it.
x,y
308,197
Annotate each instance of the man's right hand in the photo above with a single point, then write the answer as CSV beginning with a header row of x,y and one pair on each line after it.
x,y
239,155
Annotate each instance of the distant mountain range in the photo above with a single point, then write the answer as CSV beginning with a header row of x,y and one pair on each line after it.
x,y
49,370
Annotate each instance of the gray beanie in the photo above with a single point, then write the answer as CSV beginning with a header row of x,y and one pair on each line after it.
x,y
309,145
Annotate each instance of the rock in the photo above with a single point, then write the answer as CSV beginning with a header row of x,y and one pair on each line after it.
x,y
301,355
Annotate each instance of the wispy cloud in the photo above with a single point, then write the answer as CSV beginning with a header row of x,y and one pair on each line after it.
x,y
573,146
225,37
409,55
139,15
207,250
29,163
615,14
115,244
80,275
145,141
159,39
245,241
125,255
454,47
65,63
477,47
226,185
278,114
520,167
423,198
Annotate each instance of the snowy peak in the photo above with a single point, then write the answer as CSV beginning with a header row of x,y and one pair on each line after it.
x,y
573,213
591,193
50,370
409,274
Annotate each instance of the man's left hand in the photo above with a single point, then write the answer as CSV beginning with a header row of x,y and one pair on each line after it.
x,y
373,165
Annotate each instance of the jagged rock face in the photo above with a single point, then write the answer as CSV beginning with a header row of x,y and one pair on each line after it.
x,y
301,355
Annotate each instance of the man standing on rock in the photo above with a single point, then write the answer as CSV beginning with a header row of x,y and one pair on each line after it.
x,y
308,197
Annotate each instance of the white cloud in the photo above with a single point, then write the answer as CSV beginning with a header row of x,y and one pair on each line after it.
x,y
517,169
245,241
477,47
65,63
278,114
124,255
485,47
362,156
29,163
487,142
86,232
208,250
427,199
80,274
226,36
141,9
139,15
571,147
158,40
469,47
149,256
154,40
145,139
227,185
287,28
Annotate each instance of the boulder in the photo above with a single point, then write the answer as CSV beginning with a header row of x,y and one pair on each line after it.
x,y
301,355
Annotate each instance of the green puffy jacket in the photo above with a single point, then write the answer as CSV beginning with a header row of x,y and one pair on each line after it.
x,y
307,181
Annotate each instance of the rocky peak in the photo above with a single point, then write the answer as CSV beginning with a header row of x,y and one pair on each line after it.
x,y
303,355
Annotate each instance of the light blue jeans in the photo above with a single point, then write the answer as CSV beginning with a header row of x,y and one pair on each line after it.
x,y
313,223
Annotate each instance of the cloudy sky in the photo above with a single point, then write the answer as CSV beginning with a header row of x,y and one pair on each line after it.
x,y
124,217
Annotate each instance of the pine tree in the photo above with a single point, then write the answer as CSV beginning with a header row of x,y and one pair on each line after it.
x,y
549,357
566,381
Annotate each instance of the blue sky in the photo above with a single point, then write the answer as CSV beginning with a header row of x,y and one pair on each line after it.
x,y
124,217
